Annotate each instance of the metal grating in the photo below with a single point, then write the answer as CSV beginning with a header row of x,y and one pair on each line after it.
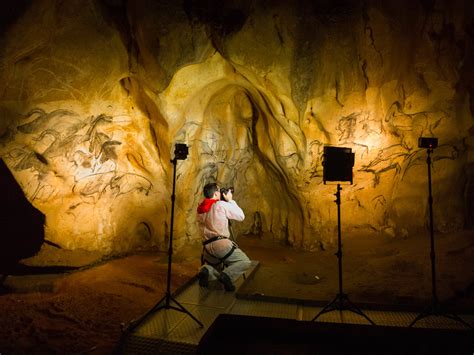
x,y
144,346
189,331
159,324
264,309
342,317
140,345
215,295
397,319
439,322
206,297
175,348
168,331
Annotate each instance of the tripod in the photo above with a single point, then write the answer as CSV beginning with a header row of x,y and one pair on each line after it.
x,y
341,302
165,302
434,309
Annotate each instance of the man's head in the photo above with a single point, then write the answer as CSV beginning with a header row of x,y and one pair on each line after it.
x,y
226,193
211,190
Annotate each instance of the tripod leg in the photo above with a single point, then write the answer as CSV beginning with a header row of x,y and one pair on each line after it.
x,y
164,303
455,317
425,313
459,319
184,310
435,311
327,308
341,301
353,308
135,323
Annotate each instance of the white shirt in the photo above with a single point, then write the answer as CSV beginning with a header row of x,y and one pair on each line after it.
x,y
215,223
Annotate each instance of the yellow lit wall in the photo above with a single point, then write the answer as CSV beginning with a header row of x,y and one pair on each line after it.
x,y
94,94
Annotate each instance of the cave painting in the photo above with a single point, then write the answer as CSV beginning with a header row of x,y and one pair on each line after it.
x,y
89,130
89,154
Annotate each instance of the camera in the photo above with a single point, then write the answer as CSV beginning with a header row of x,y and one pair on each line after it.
x,y
337,164
425,142
225,190
180,151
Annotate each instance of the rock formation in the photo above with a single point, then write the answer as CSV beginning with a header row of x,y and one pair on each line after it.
x,y
94,95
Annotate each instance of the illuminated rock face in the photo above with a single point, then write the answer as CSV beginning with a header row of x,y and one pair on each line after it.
x,y
95,94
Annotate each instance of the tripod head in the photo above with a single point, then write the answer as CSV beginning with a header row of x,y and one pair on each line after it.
x,y
337,164
180,152
428,142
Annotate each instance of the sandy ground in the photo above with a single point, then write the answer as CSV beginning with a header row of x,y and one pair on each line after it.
x,y
376,270
84,311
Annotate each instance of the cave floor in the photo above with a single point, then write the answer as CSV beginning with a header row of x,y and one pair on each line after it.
x,y
378,272
87,309
175,329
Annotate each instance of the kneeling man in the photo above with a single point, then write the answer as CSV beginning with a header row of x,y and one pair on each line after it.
x,y
214,216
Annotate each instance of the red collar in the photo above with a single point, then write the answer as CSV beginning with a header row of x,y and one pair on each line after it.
x,y
206,205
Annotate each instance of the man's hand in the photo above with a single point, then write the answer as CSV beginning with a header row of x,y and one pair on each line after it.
x,y
228,195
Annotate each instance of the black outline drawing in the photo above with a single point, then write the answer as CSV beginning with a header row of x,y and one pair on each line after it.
x,y
62,132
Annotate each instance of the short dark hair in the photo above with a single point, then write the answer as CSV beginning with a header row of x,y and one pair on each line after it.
x,y
210,189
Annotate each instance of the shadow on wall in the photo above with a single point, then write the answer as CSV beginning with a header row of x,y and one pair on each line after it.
x,y
22,225
232,145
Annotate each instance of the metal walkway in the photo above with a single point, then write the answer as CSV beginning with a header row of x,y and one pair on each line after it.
x,y
172,332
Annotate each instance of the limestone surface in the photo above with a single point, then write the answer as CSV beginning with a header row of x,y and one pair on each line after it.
x,y
95,94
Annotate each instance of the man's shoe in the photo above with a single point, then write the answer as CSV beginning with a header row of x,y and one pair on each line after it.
x,y
203,277
225,279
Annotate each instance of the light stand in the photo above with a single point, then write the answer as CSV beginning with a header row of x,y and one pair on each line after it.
x,y
181,152
341,302
434,309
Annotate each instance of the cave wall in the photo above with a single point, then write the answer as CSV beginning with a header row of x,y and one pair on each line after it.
x,y
94,94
